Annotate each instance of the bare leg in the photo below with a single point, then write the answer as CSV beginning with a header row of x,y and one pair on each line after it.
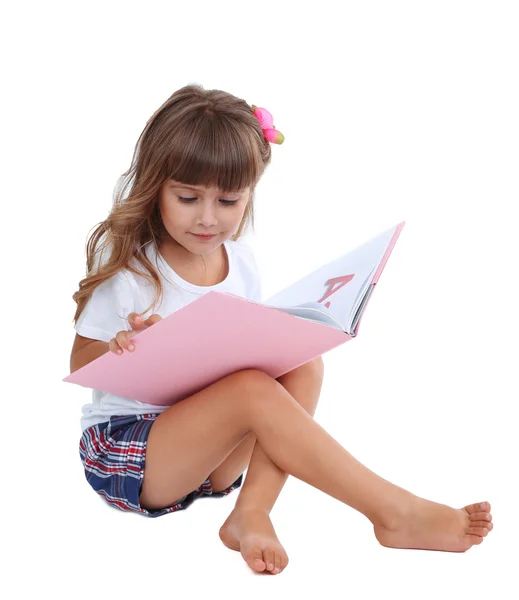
x,y
205,428
401,519
249,528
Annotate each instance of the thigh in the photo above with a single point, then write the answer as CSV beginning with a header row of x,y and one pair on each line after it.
x,y
190,439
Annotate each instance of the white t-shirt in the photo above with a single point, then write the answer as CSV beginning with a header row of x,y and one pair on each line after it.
x,y
106,311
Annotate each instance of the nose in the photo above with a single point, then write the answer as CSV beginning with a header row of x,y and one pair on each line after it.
x,y
208,216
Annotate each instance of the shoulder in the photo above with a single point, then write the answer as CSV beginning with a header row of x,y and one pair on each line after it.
x,y
240,247
244,259
116,288
121,280
242,251
243,256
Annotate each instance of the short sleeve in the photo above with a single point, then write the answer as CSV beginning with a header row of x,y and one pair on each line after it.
x,y
107,310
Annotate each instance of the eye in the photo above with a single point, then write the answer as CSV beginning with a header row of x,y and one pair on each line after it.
x,y
224,202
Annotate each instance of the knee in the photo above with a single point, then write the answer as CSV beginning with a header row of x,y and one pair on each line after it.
x,y
313,368
255,385
317,366
256,377
253,378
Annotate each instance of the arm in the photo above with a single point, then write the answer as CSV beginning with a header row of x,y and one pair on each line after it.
x,y
85,350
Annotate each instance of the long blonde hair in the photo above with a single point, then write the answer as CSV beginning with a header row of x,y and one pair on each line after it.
x,y
197,137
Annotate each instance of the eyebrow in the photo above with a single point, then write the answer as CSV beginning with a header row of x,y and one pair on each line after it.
x,y
190,187
195,189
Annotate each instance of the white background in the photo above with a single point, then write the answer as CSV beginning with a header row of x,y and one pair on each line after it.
x,y
391,111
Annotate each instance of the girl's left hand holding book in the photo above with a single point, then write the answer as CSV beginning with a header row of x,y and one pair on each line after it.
x,y
122,339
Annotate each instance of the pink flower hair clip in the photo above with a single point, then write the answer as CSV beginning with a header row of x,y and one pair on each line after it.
x,y
267,125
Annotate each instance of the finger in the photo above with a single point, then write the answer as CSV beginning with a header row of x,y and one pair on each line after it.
x,y
114,347
153,319
123,339
136,322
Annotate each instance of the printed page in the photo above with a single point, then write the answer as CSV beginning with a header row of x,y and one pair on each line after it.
x,y
339,286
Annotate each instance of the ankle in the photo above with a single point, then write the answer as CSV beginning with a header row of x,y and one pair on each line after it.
x,y
395,511
250,507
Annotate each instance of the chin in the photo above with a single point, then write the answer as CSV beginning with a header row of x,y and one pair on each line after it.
x,y
204,247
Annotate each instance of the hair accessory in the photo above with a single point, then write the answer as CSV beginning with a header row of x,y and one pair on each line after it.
x,y
266,121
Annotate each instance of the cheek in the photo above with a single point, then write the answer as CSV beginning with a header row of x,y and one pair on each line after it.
x,y
233,219
170,214
162,208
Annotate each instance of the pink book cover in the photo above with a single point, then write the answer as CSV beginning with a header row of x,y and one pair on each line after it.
x,y
214,336
381,267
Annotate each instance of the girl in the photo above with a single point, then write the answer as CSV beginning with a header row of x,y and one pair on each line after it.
x,y
194,172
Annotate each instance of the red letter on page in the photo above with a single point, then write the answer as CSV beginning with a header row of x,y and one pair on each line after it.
x,y
331,283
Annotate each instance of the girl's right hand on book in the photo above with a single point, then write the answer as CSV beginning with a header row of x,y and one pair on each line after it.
x,y
122,339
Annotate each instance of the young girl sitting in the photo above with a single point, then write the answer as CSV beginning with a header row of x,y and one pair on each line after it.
x,y
194,173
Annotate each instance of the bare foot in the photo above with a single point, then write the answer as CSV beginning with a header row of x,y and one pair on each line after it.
x,y
251,532
427,525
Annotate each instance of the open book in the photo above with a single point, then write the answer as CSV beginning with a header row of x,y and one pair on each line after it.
x,y
337,293
220,333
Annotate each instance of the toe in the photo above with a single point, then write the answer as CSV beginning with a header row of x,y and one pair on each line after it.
x,y
255,560
268,557
284,562
472,540
277,563
481,531
478,507
480,516
486,524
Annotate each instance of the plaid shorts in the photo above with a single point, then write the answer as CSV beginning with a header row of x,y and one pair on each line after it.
x,y
113,456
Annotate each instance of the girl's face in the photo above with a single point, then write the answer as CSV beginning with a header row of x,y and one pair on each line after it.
x,y
187,210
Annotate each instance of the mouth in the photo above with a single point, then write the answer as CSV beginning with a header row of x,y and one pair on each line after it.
x,y
204,236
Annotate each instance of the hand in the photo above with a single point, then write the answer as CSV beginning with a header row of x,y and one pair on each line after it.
x,y
122,339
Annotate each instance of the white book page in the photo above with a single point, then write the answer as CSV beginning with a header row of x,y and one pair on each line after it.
x,y
313,312
353,273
